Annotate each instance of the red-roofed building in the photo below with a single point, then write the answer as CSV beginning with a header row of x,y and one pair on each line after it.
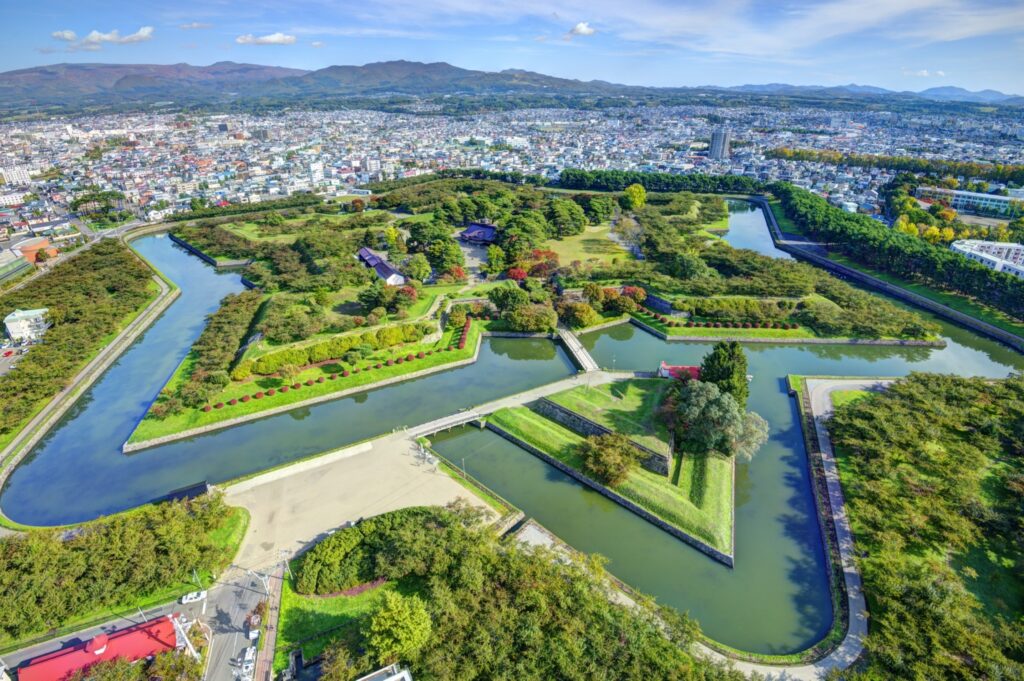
x,y
678,371
134,643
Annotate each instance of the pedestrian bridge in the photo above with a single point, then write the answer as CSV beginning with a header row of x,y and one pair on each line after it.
x,y
576,349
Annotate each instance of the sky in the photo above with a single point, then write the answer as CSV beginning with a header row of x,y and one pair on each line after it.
x,y
897,44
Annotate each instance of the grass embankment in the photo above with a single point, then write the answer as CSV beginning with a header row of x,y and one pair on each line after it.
x,y
150,427
698,503
785,224
626,407
312,622
594,243
967,306
841,397
228,538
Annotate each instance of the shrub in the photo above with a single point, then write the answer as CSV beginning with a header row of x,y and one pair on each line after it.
x,y
399,360
689,324
309,381
334,377
410,357
271,392
207,407
390,362
232,401
284,389
420,354
258,396
219,405
344,374
320,379
377,365
609,458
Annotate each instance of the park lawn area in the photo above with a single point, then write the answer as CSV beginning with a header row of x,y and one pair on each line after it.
x,y
626,407
228,538
709,483
720,225
841,397
594,243
956,301
785,224
739,334
313,622
483,289
187,419
414,218
153,290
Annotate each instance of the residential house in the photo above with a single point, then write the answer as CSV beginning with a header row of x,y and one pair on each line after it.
x,y
384,269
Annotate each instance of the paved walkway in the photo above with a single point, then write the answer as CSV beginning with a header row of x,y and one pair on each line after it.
x,y
851,647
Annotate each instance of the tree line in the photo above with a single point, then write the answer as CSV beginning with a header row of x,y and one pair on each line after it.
x,y
507,176
50,576
618,180
873,244
88,297
1001,172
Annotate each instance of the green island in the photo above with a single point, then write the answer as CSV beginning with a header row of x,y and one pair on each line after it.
x,y
932,471
427,585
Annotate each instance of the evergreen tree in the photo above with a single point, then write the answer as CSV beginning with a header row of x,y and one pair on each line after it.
x,y
726,367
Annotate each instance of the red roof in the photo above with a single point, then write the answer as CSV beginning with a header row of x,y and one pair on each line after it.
x,y
133,643
679,371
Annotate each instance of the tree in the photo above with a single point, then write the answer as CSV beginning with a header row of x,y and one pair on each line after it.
x,y
579,315
609,458
594,294
536,318
495,259
636,196
418,267
707,419
445,254
399,627
508,297
726,367
358,205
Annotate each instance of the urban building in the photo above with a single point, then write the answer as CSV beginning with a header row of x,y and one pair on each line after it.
x,y
26,325
972,202
479,233
134,643
32,249
720,140
1000,256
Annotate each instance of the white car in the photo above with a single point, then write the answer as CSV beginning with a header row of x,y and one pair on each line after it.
x,y
193,597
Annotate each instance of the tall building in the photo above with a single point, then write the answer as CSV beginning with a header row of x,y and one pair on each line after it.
x,y
720,144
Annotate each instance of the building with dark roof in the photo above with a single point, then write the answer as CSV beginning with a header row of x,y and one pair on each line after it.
x,y
479,233
381,266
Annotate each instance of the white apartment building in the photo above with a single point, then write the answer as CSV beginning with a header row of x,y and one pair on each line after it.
x,y
26,325
1001,256
16,174
971,201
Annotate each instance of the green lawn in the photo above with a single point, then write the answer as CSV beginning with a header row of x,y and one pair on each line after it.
x,y
228,538
626,407
719,225
841,397
704,332
699,502
593,244
312,622
187,419
785,223
483,289
251,229
958,302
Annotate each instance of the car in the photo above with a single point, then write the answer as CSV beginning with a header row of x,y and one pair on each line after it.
x,y
193,597
8,353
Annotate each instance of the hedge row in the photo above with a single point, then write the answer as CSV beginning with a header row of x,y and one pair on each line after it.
x,y
333,348
270,392
668,321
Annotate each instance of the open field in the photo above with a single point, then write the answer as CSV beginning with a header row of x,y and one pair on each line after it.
x,y
699,502
626,407
593,244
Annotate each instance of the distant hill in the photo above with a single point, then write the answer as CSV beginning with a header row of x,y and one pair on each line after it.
x,y
65,87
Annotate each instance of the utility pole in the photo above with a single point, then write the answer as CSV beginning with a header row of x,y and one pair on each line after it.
x,y
264,580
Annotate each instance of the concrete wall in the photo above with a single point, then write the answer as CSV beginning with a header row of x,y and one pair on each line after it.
x,y
656,462
706,549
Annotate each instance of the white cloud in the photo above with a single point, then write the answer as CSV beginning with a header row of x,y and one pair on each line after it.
x,y
924,73
317,44
582,28
95,40
194,26
271,39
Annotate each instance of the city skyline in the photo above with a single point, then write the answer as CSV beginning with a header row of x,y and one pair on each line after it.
x,y
901,45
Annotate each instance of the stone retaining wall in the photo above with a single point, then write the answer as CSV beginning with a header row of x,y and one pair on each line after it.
x,y
222,264
791,341
698,544
656,462
844,272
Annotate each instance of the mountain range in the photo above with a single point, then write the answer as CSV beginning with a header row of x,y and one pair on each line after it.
x,y
69,85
